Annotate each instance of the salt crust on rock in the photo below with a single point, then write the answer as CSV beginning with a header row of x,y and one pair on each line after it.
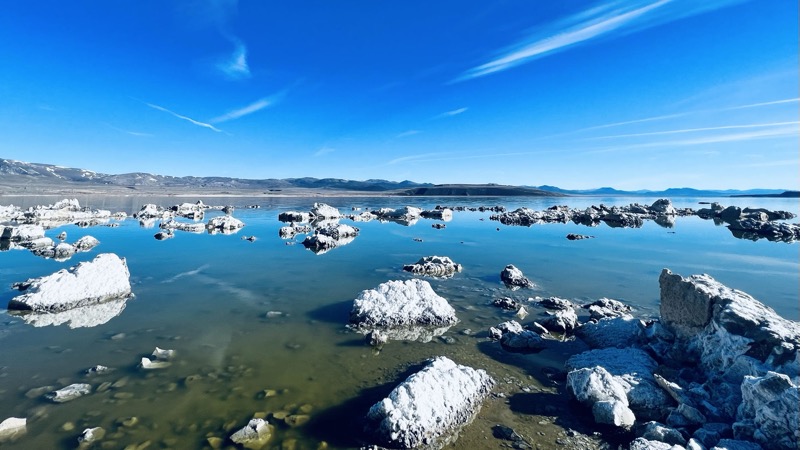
x,y
104,278
401,303
633,369
734,333
435,266
429,404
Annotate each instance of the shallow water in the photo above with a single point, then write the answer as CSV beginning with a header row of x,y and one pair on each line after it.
x,y
207,297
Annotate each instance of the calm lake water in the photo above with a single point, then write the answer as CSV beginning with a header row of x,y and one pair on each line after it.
x,y
207,297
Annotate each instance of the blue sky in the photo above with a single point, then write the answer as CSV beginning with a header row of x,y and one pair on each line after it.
x,y
634,94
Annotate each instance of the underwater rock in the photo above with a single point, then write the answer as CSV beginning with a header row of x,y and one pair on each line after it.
x,y
255,435
69,393
12,428
105,277
429,405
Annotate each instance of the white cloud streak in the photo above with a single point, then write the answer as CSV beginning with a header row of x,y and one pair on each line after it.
x,y
605,21
408,133
770,133
256,106
696,130
452,113
324,151
235,66
188,119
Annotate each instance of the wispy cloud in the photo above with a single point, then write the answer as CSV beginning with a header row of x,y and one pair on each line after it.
x,y
132,133
455,156
689,113
188,119
324,151
605,21
408,133
452,113
778,131
235,66
256,106
696,130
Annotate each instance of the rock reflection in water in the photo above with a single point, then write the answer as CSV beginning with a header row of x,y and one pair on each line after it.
x,y
81,317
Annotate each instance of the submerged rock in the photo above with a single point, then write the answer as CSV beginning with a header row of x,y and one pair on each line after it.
x,y
12,428
69,393
514,279
514,337
409,303
429,406
434,266
105,277
255,435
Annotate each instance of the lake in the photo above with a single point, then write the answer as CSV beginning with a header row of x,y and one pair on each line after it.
x,y
208,297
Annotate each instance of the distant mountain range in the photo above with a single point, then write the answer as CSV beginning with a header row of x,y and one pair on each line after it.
x,y
17,175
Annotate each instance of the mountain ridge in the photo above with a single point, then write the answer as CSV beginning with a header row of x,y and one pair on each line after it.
x,y
19,174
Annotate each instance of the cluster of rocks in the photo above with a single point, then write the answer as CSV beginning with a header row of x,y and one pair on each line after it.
x,y
747,223
632,216
32,237
753,223
149,213
323,231
321,228
718,369
64,212
496,208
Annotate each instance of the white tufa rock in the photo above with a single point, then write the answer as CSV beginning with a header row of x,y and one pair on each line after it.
x,y
735,334
86,243
105,277
401,304
22,233
69,393
12,428
324,211
429,404
163,354
151,364
224,224
514,278
770,408
254,435
434,266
